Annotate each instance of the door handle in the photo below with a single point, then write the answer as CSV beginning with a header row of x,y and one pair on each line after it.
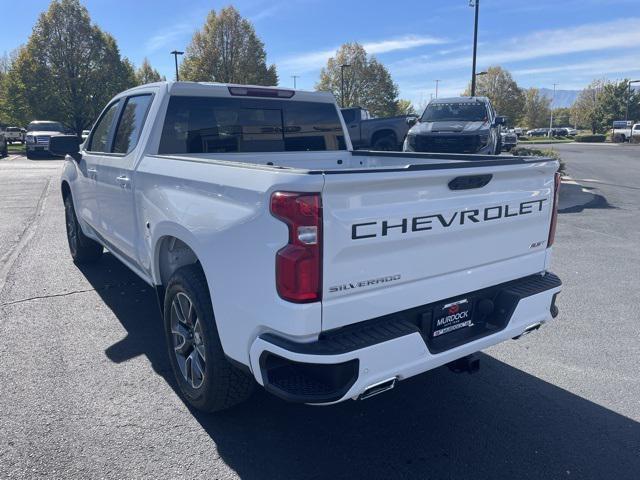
x,y
92,170
123,180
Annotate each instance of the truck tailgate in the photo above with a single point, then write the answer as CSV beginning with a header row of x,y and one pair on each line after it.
x,y
394,240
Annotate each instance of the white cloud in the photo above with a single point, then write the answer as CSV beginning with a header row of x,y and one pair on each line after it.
x,y
622,64
266,13
315,60
541,44
403,43
167,37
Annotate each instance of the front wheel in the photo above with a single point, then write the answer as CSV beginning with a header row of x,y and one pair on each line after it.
x,y
207,380
82,248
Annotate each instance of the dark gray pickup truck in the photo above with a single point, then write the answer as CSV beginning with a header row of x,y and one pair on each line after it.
x,y
457,125
376,133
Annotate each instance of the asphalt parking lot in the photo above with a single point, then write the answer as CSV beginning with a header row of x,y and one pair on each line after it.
x,y
86,389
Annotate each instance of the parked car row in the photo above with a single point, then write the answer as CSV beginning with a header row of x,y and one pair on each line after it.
x,y
553,132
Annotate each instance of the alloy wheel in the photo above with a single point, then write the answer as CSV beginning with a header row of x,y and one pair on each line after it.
x,y
72,228
188,340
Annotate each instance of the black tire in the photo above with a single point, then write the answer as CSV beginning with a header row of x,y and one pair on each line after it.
x,y
30,155
385,143
219,384
83,249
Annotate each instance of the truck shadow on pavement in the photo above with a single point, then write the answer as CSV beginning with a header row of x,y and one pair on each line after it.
x,y
498,423
574,198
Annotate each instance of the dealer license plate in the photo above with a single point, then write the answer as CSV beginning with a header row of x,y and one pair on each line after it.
x,y
452,317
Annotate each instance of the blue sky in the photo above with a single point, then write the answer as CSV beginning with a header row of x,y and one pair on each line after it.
x,y
568,42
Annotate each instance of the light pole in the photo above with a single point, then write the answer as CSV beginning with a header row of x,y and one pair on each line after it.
x,y
437,82
295,77
175,54
626,115
476,4
553,99
342,67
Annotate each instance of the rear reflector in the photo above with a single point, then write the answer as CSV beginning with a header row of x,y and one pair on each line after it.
x,y
554,212
261,92
299,263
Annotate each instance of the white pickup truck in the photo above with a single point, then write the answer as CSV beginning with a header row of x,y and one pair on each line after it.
x,y
282,257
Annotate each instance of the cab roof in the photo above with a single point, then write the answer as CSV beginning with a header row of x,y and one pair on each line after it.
x,y
461,100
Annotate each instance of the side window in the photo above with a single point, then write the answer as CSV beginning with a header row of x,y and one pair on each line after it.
x,y
349,116
131,123
100,136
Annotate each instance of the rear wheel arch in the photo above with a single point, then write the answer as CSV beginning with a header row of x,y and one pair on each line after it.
x,y
172,253
380,134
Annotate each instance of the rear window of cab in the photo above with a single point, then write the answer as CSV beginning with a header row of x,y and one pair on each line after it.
x,y
236,125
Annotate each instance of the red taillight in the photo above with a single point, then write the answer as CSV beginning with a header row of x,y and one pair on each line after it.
x,y
554,212
299,263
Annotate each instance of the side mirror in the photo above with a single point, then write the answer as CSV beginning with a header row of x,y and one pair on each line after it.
x,y
501,120
411,121
65,145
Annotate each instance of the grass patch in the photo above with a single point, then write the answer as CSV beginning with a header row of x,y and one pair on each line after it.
x,y
545,140
15,148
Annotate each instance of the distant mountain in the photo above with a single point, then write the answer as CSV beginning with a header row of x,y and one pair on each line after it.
x,y
562,99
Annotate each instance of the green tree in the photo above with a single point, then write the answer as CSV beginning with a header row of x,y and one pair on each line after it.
x,y
612,104
5,66
367,82
537,110
68,69
147,74
503,91
585,110
405,107
562,116
227,49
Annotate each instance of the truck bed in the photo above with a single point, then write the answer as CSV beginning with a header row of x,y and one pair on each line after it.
x,y
358,161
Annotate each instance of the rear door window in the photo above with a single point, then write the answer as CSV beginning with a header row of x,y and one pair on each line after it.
x,y
102,132
130,123
230,125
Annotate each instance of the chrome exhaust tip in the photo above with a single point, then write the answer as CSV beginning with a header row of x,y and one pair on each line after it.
x,y
529,329
377,388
